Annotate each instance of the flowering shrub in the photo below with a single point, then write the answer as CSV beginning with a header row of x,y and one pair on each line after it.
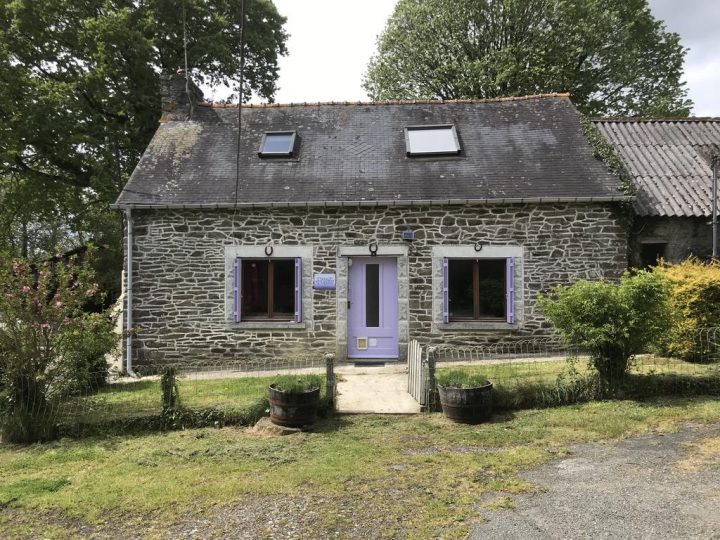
x,y
695,297
49,347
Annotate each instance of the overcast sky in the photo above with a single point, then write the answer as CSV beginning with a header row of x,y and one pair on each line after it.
x,y
331,42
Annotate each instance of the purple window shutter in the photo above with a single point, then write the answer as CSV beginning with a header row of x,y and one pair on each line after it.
x,y
236,290
446,298
298,289
510,289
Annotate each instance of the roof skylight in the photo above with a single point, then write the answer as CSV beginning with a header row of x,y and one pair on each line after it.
x,y
277,144
431,140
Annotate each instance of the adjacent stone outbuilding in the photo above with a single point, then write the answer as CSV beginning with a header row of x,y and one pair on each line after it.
x,y
670,162
353,228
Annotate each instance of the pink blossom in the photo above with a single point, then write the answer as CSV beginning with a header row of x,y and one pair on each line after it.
x,y
92,290
46,264
25,289
59,305
45,325
9,295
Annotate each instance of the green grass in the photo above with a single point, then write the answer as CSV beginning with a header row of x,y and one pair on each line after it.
x,y
516,373
143,398
525,385
414,477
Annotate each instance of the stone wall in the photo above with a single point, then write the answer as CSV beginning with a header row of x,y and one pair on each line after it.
x,y
181,271
684,236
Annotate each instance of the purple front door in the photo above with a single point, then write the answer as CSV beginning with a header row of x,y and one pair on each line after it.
x,y
372,308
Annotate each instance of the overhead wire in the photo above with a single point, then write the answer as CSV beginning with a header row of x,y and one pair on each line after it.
x,y
240,102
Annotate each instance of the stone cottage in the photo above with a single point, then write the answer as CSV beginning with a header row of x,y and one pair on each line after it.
x,y
670,163
353,227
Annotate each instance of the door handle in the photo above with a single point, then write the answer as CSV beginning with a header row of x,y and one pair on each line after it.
x,y
348,304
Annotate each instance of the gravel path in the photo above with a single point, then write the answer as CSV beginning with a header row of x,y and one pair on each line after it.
x,y
653,486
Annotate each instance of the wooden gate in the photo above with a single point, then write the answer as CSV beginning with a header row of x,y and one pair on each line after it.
x,y
418,373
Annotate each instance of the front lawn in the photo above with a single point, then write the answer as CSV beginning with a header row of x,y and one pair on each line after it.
x,y
548,371
144,398
370,476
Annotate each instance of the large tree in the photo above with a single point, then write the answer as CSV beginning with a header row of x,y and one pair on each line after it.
x,y
613,56
79,101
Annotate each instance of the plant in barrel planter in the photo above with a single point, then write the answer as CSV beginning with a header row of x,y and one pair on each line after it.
x,y
464,397
294,400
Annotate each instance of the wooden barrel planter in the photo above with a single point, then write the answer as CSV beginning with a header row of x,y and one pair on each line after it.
x,y
466,405
293,409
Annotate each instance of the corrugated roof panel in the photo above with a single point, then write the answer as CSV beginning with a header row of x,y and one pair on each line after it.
x,y
663,157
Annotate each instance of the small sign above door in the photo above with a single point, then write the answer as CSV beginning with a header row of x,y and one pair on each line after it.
x,y
324,282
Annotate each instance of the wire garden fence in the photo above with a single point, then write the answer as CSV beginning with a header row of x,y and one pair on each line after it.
x,y
547,372
525,374
231,393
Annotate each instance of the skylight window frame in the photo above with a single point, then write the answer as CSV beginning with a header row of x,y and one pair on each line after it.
x,y
289,154
425,127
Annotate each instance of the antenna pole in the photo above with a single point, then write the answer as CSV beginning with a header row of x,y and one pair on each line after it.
x,y
185,54
715,160
240,100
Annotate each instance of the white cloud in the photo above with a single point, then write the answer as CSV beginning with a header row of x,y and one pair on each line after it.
x,y
330,44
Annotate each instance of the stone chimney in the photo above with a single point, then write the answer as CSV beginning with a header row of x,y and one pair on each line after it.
x,y
176,103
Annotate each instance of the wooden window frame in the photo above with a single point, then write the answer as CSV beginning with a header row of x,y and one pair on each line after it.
x,y
477,317
270,315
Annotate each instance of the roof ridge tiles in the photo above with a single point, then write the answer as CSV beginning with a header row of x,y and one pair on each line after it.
x,y
384,102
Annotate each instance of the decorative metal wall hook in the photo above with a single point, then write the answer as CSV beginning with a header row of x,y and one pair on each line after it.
x,y
478,246
269,251
373,247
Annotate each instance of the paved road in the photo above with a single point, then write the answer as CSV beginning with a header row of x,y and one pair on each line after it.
x,y
635,488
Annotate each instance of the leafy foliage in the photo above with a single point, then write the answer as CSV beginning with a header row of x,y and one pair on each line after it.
x,y
695,297
613,56
80,101
170,394
458,378
613,321
49,347
297,384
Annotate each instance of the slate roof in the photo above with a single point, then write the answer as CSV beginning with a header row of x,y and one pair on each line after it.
x,y
513,149
669,160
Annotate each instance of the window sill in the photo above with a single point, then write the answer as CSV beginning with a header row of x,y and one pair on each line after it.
x,y
266,325
477,325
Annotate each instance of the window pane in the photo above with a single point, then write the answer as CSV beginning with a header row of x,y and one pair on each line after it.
x,y
254,288
492,287
372,295
277,143
283,288
439,140
460,289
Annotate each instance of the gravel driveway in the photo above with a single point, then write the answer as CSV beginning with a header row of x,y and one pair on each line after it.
x,y
654,486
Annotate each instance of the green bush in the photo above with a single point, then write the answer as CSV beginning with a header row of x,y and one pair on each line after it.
x,y
170,393
612,321
49,347
84,368
297,384
458,378
695,298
